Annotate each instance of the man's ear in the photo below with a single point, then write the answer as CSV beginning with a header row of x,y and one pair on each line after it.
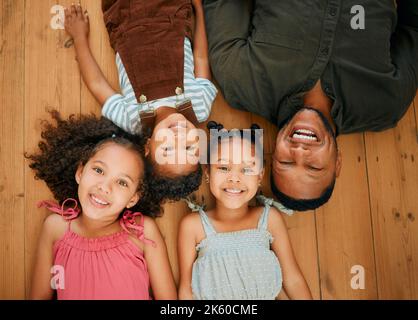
x,y
134,200
78,173
338,163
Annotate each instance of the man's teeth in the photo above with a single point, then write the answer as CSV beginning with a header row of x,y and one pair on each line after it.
x,y
236,191
301,136
99,201
305,134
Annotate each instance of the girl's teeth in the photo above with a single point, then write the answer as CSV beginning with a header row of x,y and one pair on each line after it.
x,y
99,201
233,190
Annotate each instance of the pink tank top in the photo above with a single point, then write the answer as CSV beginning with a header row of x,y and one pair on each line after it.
x,y
105,268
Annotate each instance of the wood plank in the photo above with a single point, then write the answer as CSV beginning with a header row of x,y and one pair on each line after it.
x,y
51,82
12,249
344,228
231,118
416,112
270,132
393,174
168,224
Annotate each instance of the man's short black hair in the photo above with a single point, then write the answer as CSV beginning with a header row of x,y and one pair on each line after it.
x,y
302,204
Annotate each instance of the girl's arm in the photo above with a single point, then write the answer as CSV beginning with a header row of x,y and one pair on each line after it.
x,y
186,249
77,26
159,269
293,281
41,277
200,43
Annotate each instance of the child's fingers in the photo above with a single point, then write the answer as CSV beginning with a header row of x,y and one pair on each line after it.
x,y
86,16
73,10
67,13
79,10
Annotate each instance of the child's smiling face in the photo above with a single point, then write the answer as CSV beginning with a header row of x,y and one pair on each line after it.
x,y
108,182
234,183
173,147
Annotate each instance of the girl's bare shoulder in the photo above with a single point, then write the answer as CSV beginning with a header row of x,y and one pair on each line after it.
x,y
54,227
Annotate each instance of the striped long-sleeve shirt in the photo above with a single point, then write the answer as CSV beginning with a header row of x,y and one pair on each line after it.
x,y
124,109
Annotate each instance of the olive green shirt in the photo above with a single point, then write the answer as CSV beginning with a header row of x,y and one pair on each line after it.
x,y
266,54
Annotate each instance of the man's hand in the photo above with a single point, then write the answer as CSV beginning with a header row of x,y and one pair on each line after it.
x,y
77,22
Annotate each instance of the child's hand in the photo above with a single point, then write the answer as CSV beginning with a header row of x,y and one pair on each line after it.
x,y
76,22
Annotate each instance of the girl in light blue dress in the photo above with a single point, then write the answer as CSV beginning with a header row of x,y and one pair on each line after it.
x,y
237,251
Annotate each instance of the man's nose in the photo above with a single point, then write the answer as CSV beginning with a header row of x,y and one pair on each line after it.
x,y
299,151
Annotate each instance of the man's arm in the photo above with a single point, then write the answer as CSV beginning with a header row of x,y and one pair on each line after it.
x,y
404,48
225,33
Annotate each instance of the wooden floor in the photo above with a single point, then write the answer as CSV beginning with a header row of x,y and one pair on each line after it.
x,y
371,221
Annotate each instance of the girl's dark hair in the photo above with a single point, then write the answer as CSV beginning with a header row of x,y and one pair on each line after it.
x,y
173,189
220,132
69,143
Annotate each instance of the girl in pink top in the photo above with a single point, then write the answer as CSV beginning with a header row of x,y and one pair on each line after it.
x,y
106,249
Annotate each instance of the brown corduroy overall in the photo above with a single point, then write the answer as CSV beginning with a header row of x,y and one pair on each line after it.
x,y
149,37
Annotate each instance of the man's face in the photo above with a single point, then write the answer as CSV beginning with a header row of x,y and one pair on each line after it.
x,y
306,159
173,150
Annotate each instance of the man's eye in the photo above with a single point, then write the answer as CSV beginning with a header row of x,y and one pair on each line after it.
x,y
314,168
223,168
286,163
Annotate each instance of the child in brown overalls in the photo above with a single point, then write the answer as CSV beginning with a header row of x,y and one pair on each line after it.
x,y
164,85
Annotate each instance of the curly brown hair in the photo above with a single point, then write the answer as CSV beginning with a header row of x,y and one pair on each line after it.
x,y
72,142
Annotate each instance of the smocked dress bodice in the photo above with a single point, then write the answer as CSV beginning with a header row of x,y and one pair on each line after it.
x,y
236,265
106,268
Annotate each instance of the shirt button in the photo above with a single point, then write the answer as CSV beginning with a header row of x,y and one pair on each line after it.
x,y
142,99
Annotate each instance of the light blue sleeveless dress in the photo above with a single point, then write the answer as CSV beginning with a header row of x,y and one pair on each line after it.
x,y
236,265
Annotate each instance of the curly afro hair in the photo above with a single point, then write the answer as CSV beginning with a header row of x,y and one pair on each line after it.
x,y
174,189
69,143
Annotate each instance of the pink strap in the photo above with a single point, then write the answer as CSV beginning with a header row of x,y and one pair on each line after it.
x,y
68,214
128,223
